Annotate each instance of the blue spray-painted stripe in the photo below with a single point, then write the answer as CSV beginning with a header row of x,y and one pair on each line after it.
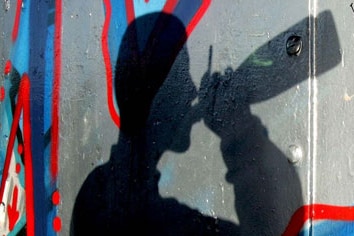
x,y
185,10
38,69
20,50
48,82
118,25
330,228
48,98
48,104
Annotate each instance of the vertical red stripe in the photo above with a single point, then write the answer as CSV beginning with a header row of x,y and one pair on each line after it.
x,y
30,214
129,6
56,88
107,63
17,20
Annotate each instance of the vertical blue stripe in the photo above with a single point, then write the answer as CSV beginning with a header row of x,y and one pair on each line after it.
x,y
48,104
37,73
118,25
48,83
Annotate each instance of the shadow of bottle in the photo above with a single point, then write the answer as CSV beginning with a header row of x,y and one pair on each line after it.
x,y
266,185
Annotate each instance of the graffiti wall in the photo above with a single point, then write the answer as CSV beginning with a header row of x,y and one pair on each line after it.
x,y
176,117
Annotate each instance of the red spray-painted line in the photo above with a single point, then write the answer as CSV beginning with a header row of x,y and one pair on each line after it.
x,y
169,6
17,20
129,6
56,88
317,212
107,62
25,90
195,20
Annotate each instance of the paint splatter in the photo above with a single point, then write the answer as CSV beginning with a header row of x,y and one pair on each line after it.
x,y
56,198
8,66
2,93
57,224
18,168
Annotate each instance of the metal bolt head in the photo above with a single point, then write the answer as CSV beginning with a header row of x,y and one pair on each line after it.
x,y
296,154
294,45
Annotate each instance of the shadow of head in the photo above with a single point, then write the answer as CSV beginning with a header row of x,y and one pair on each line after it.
x,y
145,57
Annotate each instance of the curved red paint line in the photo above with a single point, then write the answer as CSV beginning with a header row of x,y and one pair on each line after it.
x,y
318,212
56,89
107,62
17,20
195,20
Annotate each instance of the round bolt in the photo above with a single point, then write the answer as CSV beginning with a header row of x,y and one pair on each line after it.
x,y
296,154
294,45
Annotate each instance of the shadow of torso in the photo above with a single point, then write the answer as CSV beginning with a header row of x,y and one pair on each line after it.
x,y
121,196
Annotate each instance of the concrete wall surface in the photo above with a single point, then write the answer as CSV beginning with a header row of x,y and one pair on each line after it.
x,y
176,117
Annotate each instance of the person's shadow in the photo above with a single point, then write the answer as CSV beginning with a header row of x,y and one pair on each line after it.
x,y
154,92
266,184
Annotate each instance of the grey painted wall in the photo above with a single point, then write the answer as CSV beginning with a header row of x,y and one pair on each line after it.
x,y
244,137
